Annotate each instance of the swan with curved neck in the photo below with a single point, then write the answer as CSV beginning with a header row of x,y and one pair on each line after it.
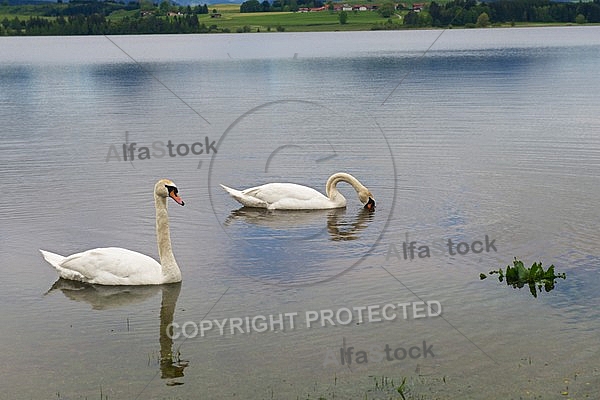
x,y
118,266
290,196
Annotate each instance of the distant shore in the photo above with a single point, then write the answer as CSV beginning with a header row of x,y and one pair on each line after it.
x,y
80,17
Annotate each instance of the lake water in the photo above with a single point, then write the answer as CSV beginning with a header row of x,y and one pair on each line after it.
x,y
488,137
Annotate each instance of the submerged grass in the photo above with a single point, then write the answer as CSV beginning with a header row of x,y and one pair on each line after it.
x,y
381,387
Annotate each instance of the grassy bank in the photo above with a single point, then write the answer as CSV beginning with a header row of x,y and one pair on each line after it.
x,y
293,21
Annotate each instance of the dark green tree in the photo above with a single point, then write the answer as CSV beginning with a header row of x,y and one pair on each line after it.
x,y
250,6
411,19
164,6
387,9
483,21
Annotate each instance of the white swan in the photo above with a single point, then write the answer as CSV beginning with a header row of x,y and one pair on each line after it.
x,y
290,196
117,266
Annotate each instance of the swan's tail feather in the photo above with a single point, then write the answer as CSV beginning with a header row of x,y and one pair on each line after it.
x,y
245,198
56,261
53,259
232,192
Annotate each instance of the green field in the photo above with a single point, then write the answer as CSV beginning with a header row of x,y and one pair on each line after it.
x,y
232,19
295,22
21,12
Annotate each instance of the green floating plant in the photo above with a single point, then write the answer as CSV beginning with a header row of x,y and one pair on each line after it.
x,y
535,276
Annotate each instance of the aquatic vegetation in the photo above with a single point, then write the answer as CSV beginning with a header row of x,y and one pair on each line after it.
x,y
535,277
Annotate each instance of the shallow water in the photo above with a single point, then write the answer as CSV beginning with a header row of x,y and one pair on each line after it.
x,y
491,133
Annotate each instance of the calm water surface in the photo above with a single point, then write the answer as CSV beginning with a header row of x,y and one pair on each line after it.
x,y
491,133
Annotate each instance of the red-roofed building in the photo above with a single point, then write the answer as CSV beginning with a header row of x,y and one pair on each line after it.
x,y
418,7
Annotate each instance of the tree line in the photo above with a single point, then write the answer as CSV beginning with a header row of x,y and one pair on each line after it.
x,y
92,18
468,12
278,5
463,12
97,24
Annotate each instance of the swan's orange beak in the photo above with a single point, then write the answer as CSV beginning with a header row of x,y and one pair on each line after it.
x,y
370,204
174,196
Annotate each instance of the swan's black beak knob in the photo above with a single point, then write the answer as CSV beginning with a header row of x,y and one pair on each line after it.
x,y
370,204
173,194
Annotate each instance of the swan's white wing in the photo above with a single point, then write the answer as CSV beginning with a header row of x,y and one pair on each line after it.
x,y
284,196
110,266
274,192
290,196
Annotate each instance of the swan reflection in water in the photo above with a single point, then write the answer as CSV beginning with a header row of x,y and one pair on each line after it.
x,y
102,297
339,226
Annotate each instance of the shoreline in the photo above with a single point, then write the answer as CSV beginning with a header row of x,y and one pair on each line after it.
x,y
57,19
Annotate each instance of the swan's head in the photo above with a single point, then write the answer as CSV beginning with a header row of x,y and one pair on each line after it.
x,y
366,197
166,188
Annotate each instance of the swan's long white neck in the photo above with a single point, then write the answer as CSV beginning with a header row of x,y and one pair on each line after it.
x,y
331,186
170,269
